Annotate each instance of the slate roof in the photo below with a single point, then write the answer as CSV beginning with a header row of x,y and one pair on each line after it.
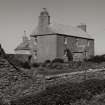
x,y
63,30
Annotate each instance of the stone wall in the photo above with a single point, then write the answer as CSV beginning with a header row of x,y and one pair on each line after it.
x,y
75,77
60,46
41,82
46,47
81,47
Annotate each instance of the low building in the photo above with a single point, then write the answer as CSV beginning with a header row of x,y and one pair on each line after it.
x,y
24,46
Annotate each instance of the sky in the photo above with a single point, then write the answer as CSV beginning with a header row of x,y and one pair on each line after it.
x,y
19,15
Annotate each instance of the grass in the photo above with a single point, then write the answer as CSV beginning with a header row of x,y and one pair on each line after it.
x,y
76,93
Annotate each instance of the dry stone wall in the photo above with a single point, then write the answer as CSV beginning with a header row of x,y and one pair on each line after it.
x,y
75,77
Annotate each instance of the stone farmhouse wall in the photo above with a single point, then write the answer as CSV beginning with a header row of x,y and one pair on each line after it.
x,y
80,48
53,46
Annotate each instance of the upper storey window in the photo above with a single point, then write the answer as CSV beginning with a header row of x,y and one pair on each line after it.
x,y
35,41
65,40
77,42
88,43
35,54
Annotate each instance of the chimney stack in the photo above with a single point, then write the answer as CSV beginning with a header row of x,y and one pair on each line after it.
x,y
82,26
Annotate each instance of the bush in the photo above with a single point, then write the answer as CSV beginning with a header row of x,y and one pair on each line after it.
x,y
25,65
56,66
75,64
97,59
95,86
58,60
35,65
46,63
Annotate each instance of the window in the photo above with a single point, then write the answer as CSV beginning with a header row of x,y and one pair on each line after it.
x,y
77,42
35,54
86,53
65,40
88,43
35,41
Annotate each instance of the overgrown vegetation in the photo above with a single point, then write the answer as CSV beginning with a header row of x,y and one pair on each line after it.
x,y
66,94
58,65
57,60
19,60
35,65
97,59
25,65
23,61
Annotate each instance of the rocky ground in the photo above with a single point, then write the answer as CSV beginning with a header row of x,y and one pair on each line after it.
x,y
14,82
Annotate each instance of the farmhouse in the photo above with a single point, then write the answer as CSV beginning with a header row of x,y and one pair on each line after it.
x,y
49,41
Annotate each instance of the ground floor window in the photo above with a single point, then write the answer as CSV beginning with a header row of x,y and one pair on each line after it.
x,y
35,54
86,53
